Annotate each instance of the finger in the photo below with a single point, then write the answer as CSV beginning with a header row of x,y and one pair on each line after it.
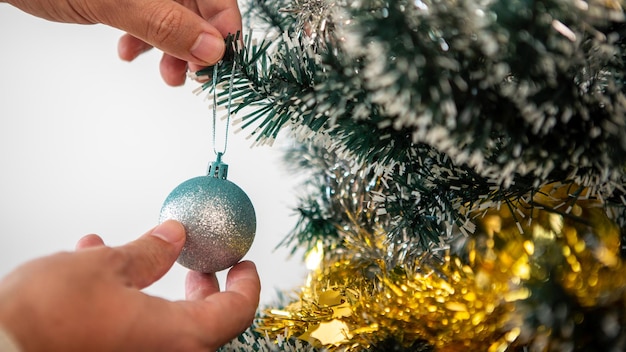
x,y
89,241
243,279
169,26
129,47
173,70
236,307
222,14
149,257
195,68
199,286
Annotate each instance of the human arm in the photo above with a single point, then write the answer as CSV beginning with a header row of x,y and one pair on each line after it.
x,y
91,299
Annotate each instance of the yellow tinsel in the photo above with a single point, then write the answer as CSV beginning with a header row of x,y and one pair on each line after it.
x,y
471,301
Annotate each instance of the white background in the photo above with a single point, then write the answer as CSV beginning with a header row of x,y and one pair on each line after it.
x,y
93,144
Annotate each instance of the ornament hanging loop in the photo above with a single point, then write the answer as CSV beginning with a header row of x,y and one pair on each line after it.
x,y
228,107
218,169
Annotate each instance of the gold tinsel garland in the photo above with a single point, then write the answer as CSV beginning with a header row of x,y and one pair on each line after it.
x,y
473,300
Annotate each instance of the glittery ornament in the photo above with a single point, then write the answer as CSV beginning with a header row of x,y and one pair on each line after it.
x,y
218,216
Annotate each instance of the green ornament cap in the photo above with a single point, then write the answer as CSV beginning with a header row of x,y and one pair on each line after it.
x,y
218,169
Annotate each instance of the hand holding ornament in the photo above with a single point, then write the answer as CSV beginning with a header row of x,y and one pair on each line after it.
x,y
91,299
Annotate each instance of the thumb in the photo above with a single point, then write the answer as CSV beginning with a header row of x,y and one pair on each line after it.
x,y
150,256
170,27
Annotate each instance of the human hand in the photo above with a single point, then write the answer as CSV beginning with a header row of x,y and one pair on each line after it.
x,y
90,299
189,32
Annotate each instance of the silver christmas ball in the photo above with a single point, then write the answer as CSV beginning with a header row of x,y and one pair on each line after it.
x,y
219,219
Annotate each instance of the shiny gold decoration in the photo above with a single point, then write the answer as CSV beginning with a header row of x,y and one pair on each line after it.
x,y
565,229
475,300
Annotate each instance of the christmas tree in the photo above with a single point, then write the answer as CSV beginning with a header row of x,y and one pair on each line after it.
x,y
466,171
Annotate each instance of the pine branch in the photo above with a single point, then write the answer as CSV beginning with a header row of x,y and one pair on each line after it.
x,y
532,88
447,104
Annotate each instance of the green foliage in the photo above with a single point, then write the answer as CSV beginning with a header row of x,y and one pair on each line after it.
x,y
252,341
451,103
506,87
411,113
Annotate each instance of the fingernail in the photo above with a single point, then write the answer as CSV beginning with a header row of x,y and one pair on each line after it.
x,y
170,231
208,48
